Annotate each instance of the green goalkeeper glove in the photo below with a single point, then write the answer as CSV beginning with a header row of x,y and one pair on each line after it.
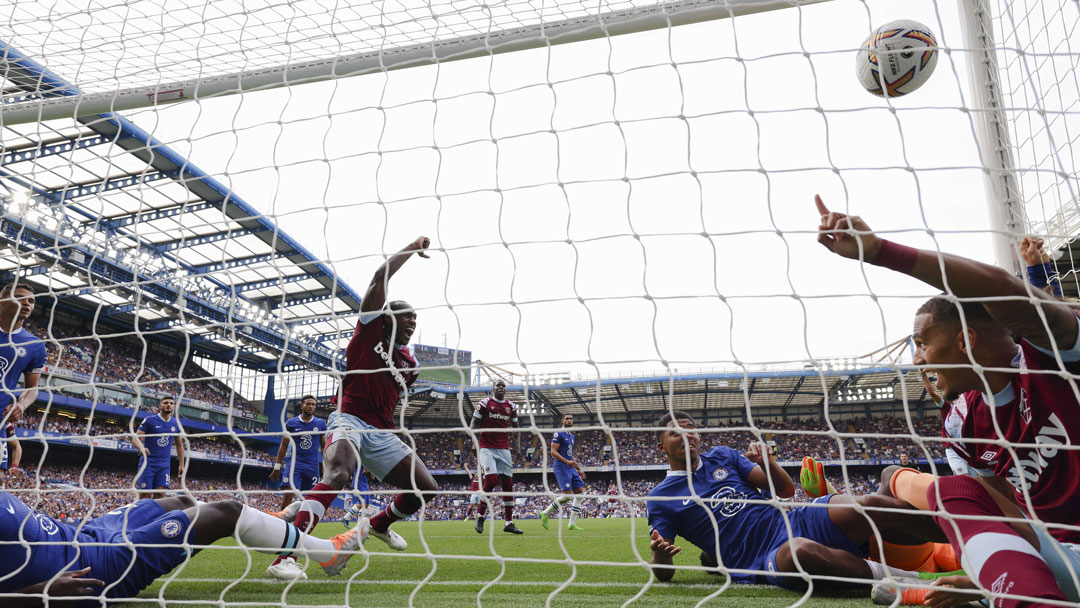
x,y
812,478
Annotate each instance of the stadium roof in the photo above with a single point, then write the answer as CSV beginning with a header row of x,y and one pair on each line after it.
x,y
790,390
119,227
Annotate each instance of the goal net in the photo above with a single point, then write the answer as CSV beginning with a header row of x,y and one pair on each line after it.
x,y
619,198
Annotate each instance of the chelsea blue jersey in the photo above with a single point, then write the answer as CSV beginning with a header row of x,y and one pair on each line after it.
x,y
21,352
744,533
565,439
307,438
34,547
159,439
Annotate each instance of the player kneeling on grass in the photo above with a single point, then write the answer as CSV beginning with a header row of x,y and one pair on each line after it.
x,y
120,553
718,501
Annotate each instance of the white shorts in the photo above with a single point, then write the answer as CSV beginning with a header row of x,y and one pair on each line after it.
x,y
493,461
379,450
474,499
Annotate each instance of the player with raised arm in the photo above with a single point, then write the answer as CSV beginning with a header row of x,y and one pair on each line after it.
x,y
120,553
163,431
568,474
474,490
1012,352
493,416
22,355
718,502
379,372
307,435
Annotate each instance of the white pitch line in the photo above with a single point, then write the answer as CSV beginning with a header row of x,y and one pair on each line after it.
x,y
457,583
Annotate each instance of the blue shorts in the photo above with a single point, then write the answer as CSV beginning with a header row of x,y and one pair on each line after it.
x,y
567,478
127,517
153,477
132,558
812,523
302,479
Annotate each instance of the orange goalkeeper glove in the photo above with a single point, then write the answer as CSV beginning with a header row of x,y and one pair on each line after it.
x,y
812,478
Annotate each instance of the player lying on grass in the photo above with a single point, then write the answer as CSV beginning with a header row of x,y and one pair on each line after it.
x,y
120,553
718,502
1009,354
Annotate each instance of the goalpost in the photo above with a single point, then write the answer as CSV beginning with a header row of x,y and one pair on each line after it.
x,y
602,169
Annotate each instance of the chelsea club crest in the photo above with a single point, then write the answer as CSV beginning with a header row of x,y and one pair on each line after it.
x,y
719,473
170,528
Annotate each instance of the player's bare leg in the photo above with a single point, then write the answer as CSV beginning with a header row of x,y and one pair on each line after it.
x,y
901,525
816,559
411,475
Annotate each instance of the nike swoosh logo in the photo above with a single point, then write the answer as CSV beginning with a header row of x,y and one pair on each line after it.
x,y
10,509
687,501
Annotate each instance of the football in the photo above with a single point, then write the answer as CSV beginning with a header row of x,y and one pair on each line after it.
x,y
896,58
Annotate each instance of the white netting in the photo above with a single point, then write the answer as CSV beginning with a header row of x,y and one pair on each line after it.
x,y
619,198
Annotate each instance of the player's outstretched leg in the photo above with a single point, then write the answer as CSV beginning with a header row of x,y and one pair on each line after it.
x,y
416,494
548,510
268,534
993,552
508,505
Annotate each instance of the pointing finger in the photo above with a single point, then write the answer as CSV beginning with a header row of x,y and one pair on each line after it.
x,y
822,209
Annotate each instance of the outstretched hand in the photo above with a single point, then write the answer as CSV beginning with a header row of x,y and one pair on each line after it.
x,y
421,244
661,548
74,584
948,592
1031,249
812,479
841,234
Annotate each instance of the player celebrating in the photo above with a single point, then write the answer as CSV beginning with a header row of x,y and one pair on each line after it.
x,y
157,454
493,416
1029,395
22,354
717,502
380,371
474,491
307,434
119,554
568,474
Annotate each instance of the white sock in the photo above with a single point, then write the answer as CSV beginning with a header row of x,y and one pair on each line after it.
x,y
555,503
575,510
880,571
268,534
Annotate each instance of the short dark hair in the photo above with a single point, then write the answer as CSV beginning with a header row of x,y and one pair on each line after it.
x,y
306,397
10,288
166,398
944,310
670,417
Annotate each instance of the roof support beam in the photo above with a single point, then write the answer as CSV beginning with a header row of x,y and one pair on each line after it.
x,y
622,400
74,191
263,284
52,147
794,391
195,241
297,300
577,396
238,262
150,216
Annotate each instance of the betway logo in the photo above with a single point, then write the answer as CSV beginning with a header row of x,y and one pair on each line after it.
x,y
389,360
1031,467
497,416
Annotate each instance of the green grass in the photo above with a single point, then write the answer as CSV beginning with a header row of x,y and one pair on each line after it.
x,y
449,376
468,562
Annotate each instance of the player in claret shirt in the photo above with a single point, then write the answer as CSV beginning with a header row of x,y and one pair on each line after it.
x,y
380,370
1010,353
154,440
492,417
717,501
568,474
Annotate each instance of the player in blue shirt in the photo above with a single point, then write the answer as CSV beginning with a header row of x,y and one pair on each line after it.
x,y
305,435
154,439
120,553
720,502
357,501
568,474
22,354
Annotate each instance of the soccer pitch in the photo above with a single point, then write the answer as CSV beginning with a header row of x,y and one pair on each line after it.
x,y
481,566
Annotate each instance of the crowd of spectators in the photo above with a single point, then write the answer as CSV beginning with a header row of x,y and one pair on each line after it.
x,y
126,364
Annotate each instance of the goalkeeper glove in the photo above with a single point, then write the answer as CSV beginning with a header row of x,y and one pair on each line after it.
x,y
812,478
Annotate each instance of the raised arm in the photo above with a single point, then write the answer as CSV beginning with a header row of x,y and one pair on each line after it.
x,y
962,277
375,297
761,455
